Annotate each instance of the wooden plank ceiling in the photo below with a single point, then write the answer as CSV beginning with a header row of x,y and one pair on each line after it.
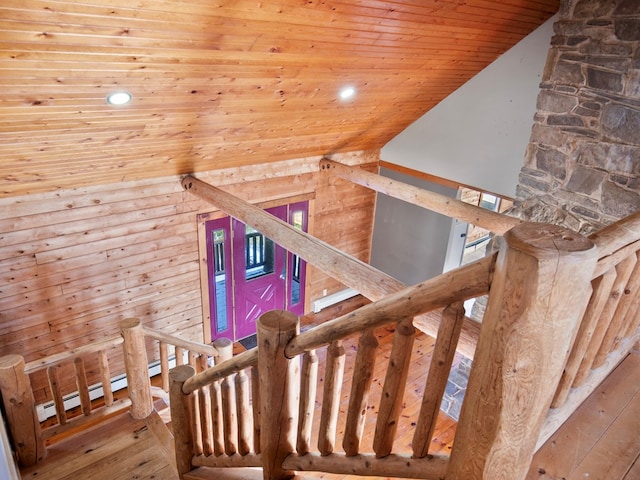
x,y
222,83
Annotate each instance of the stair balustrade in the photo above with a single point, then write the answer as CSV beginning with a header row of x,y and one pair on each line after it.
x,y
563,310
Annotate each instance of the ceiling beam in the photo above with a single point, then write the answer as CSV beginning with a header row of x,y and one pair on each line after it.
x,y
450,207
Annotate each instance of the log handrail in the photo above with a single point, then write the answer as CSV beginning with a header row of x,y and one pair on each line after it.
x,y
450,207
468,281
223,369
617,235
57,358
200,348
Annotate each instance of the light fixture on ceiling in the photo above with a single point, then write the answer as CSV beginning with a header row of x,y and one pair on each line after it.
x,y
347,92
119,98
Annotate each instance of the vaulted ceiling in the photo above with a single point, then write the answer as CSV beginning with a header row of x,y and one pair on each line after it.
x,y
222,83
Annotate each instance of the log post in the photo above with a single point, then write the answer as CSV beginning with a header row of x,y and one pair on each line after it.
x,y
279,390
541,285
19,407
137,368
181,417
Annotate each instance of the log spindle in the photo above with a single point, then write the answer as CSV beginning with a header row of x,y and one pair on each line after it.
x,y
255,397
333,376
393,389
56,394
204,409
540,287
439,368
359,396
307,408
105,375
164,365
243,409
83,386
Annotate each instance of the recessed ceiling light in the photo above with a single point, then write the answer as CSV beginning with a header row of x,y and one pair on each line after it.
x,y
119,98
347,92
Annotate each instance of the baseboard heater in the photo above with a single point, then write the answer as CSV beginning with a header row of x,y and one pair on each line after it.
x,y
327,301
72,400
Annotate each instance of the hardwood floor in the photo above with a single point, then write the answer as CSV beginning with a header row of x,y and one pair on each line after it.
x,y
601,440
120,448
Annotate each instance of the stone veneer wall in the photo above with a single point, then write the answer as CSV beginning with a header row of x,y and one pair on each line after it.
x,y
582,166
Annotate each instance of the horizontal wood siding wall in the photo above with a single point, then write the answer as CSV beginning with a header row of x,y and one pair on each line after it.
x,y
74,263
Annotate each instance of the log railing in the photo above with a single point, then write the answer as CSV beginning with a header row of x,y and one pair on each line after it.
x,y
538,286
86,363
609,326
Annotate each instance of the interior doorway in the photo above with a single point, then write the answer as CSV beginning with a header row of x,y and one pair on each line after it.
x,y
249,274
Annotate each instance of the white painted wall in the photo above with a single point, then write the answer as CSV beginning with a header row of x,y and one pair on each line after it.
x,y
478,135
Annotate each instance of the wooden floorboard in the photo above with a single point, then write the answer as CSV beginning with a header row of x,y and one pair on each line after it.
x,y
119,449
601,440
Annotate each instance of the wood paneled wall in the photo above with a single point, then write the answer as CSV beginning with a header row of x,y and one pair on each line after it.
x,y
74,263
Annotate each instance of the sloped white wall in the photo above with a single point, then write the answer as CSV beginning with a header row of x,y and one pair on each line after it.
x,y
478,135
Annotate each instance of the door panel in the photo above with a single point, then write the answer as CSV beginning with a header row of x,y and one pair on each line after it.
x,y
259,271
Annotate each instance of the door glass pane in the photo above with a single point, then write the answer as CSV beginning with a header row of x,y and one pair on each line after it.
x,y
259,254
297,220
222,322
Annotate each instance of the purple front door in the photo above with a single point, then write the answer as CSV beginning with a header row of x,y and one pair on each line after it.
x,y
259,272
250,275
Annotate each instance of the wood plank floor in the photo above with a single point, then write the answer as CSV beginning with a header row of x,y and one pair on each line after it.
x,y
120,448
601,440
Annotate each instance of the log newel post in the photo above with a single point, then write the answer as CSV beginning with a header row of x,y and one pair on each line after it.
x,y
541,283
19,407
181,411
137,368
279,391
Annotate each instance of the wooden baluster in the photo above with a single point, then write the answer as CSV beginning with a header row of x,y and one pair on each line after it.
x,y
307,407
393,389
105,377
280,384
627,297
179,353
20,411
601,289
164,365
56,394
633,321
333,376
255,399
193,359
204,408
83,386
137,368
541,285
623,272
229,414
244,413
361,383
181,408
217,421
215,390
439,369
